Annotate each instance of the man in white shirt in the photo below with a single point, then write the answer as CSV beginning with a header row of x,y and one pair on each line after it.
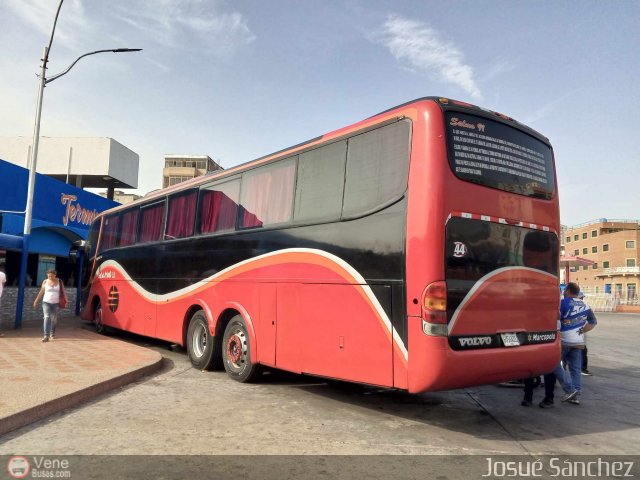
x,y
3,280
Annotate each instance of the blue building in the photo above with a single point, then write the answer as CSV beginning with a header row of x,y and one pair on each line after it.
x,y
62,214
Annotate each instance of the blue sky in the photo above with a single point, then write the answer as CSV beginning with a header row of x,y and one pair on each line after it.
x,y
239,79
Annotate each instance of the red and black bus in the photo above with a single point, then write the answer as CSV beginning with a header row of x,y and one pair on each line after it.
x,y
416,249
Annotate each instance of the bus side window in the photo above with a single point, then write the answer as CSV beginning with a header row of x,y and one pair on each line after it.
x,y
129,227
266,195
377,168
219,207
110,232
320,183
151,222
182,215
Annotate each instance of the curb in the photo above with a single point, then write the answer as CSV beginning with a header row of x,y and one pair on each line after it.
x,y
44,410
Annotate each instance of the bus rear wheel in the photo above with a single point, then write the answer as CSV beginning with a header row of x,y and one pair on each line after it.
x,y
237,352
201,346
97,319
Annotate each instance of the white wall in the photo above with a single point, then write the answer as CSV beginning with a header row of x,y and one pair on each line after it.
x,y
89,156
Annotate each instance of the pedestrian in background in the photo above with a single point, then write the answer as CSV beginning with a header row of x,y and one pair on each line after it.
x,y
51,292
3,280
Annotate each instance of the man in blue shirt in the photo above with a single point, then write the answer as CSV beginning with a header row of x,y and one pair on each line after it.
x,y
576,318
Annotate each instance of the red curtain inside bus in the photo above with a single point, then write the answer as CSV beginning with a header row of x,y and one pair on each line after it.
x,y
151,224
182,215
218,212
129,227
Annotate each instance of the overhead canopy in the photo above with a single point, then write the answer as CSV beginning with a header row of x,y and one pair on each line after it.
x,y
575,261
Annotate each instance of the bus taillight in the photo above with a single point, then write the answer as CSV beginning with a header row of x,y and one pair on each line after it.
x,y
434,309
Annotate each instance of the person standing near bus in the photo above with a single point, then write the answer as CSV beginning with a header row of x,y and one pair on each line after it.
x,y
585,358
50,294
3,280
576,318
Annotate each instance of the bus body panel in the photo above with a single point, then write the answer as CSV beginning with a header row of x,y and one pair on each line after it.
x,y
433,365
344,299
340,339
517,301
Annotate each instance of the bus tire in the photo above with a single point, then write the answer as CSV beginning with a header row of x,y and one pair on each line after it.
x,y
97,319
200,344
236,352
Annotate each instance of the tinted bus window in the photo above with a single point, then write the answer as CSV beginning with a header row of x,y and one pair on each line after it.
x,y
110,232
182,215
151,222
219,207
129,227
320,183
496,155
267,194
377,168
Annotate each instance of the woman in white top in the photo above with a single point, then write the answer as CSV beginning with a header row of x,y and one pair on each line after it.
x,y
50,294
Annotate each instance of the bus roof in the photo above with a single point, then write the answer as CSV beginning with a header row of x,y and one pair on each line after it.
x,y
386,115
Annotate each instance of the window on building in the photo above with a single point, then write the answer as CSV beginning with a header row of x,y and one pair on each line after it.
x,y
594,233
597,289
631,262
632,292
219,207
584,236
575,238
266,195
174,180
585,251
630,244
182,215
605,247
576,251
607,288
605,264
595,266
129,227
594,249
151,222
585,267
568,239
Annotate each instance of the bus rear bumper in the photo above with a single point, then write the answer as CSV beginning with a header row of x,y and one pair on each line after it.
x,y
433,365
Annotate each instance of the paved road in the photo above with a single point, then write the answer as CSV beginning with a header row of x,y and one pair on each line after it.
x,y
184,411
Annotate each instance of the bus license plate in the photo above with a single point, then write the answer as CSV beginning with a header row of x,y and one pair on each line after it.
x,y
510,339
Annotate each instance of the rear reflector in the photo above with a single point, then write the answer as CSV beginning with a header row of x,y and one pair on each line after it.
x,y
434,329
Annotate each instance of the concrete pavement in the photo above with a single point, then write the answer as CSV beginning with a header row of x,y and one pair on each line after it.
x,y
38,379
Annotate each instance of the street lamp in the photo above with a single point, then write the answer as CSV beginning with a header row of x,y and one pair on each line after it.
x,y
34,157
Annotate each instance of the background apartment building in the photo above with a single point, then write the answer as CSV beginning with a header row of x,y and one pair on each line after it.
x,y
614,247
178,168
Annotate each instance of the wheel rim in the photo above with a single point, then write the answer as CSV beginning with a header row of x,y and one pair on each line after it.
x,y
237,350
199,340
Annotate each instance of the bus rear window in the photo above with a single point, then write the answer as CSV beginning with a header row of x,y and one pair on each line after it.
x,y
490,153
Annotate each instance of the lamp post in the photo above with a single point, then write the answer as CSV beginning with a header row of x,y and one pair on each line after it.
x,y
43,81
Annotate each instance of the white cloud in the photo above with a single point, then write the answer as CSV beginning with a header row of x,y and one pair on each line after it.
x,y
173,23
417,46
41,15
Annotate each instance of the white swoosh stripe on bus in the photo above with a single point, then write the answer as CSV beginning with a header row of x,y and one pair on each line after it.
x,y
359,280
480,282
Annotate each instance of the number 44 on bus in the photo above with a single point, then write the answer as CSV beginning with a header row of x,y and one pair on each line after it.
x,y
416,249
